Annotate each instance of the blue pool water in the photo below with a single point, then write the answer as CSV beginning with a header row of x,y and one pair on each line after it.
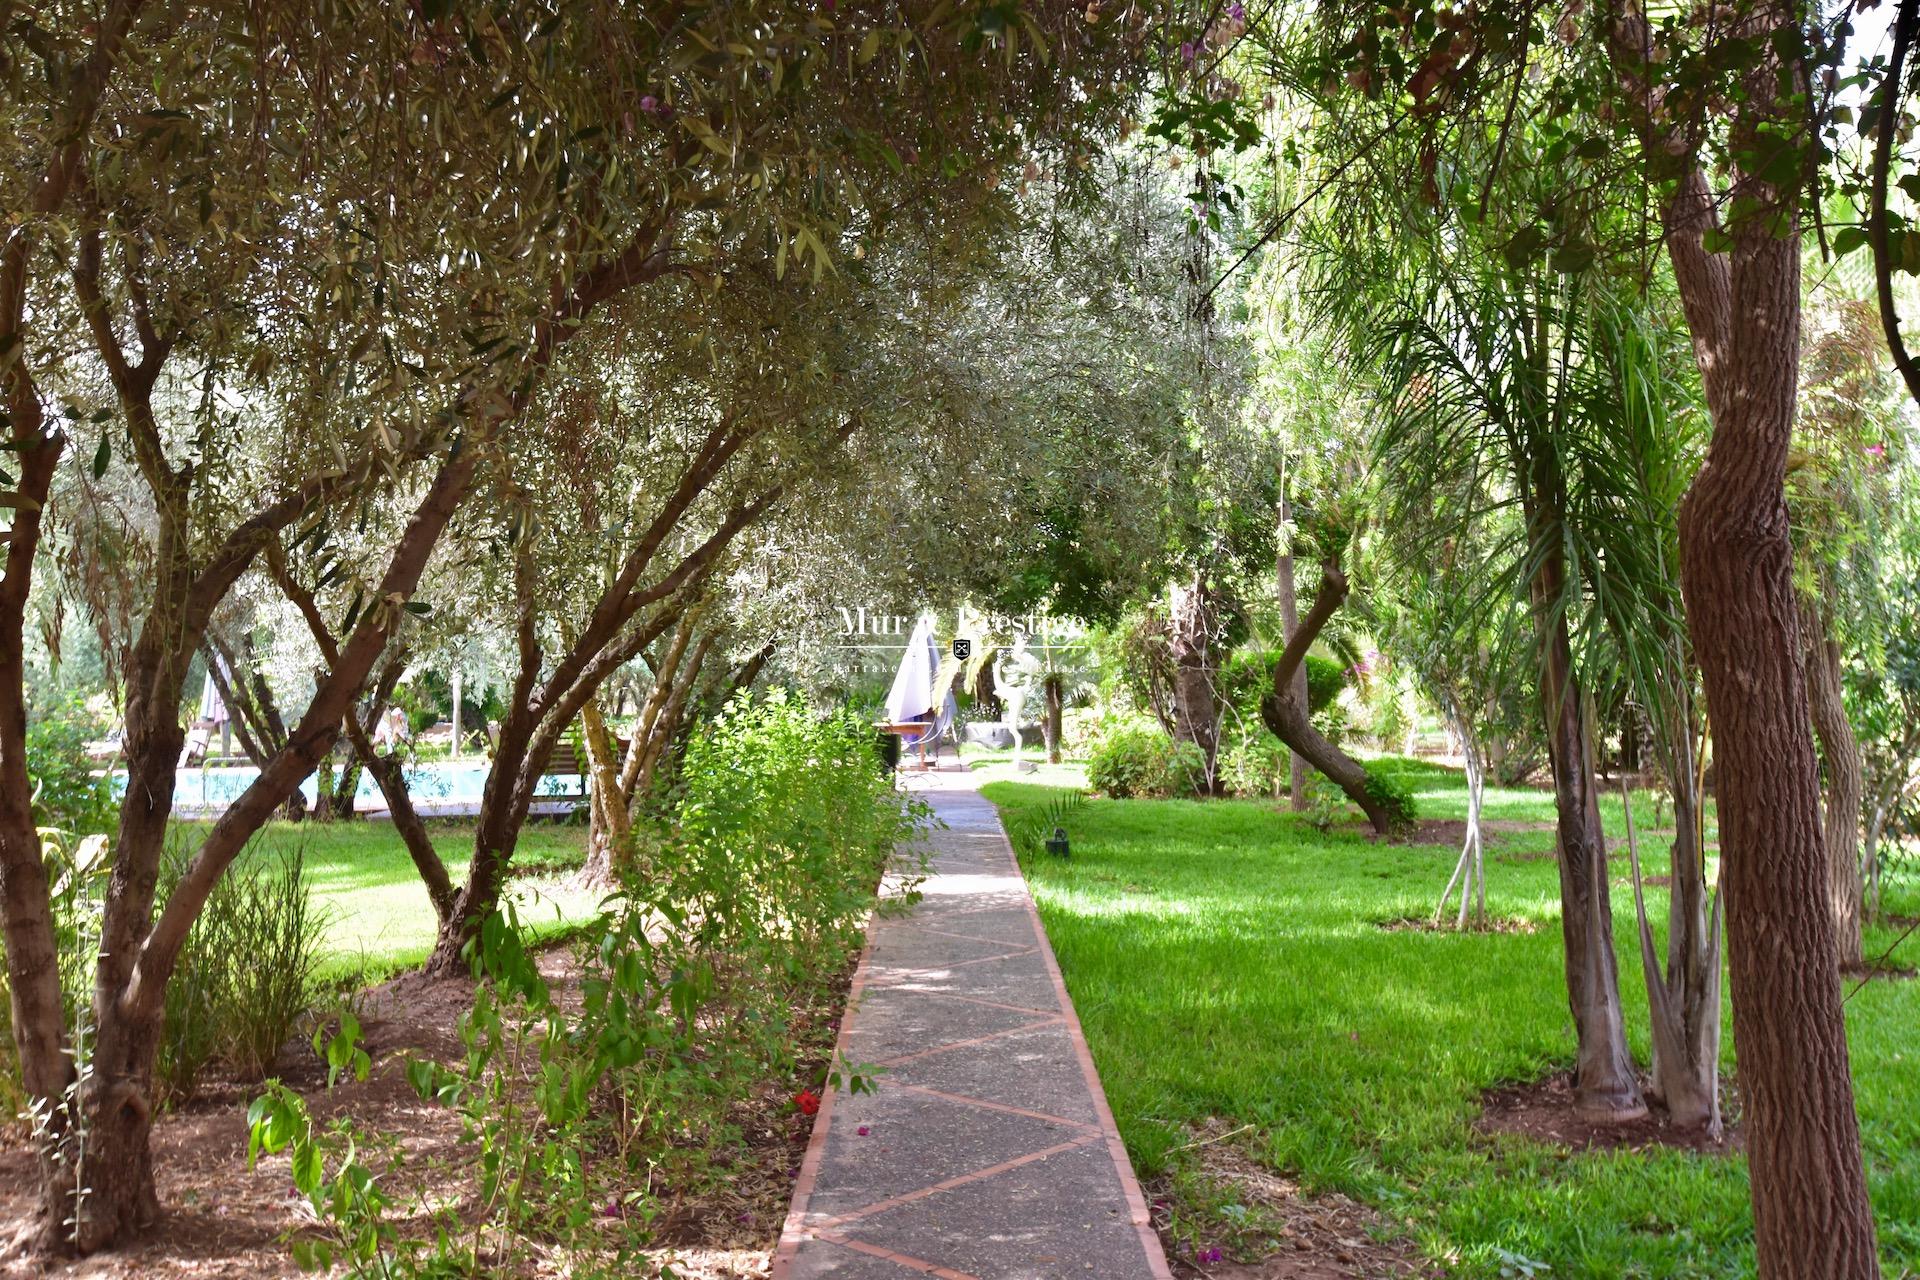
x,y
432,784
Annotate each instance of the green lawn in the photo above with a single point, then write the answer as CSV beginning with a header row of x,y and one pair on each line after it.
x,y
1225,962
377,917
1033,767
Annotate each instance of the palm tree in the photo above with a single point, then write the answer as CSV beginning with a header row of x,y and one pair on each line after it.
x,y
1509,375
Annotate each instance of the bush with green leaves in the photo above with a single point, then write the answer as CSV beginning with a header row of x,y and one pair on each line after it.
x,y
1255,765
66,794
1133,758
1079,726
1247,676
1388,788
1328,805
695,984
784,820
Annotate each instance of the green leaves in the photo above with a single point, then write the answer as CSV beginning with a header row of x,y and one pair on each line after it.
x,y
274,1119
341,1051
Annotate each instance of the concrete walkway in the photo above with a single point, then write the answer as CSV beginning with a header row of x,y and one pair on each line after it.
x,y
987,1151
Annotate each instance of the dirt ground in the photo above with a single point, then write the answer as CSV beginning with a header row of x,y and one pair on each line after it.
x,y
1300,1236
1543,1110
1427,924
223,1220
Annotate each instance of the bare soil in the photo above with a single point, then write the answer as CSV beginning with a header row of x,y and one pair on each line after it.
x,y
1292,1234
1871,968
223,1220
1533,855
1444,831
1543,1111
1426,924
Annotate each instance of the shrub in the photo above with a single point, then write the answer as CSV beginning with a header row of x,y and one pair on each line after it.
x,y
65,792
1327,804
1388,789
1255,765
1247,678
784,816
693,986
244,978
1325,679
1134,759
1079,726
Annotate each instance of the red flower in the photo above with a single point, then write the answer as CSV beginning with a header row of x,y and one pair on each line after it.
x,y
807,1100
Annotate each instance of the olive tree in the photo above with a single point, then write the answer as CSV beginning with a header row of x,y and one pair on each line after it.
x,y
300,259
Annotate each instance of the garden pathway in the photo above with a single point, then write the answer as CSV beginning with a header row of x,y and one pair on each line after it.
x,y
986,1151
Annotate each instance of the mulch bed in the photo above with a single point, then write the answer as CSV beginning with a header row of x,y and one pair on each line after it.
x,y
1426,924
1870,969
1443,831
1298,1236
1535,855
1543,1111
225,1221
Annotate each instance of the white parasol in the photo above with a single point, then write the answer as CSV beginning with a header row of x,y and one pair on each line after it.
x,y
211,707
913,685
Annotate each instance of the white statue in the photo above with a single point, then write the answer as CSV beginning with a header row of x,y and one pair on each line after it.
x,y
1016,677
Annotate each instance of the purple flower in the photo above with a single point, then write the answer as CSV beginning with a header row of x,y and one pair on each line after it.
x,y
1209,1255
612,1210
1237,12
1186,51
1877,450
650,104
864,1131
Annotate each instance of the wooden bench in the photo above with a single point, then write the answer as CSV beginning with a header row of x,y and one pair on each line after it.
x,y
567,758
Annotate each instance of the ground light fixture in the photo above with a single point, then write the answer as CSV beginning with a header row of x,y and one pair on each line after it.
x,y
1057,842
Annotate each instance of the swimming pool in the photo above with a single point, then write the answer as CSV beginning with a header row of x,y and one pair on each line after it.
x,y
437,786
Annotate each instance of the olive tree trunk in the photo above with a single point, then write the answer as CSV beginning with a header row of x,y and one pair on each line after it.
x,y
1286,715
1290,621
631,612
1191,646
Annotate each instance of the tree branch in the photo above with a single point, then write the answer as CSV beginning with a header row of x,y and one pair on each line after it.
x,y
1886,119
